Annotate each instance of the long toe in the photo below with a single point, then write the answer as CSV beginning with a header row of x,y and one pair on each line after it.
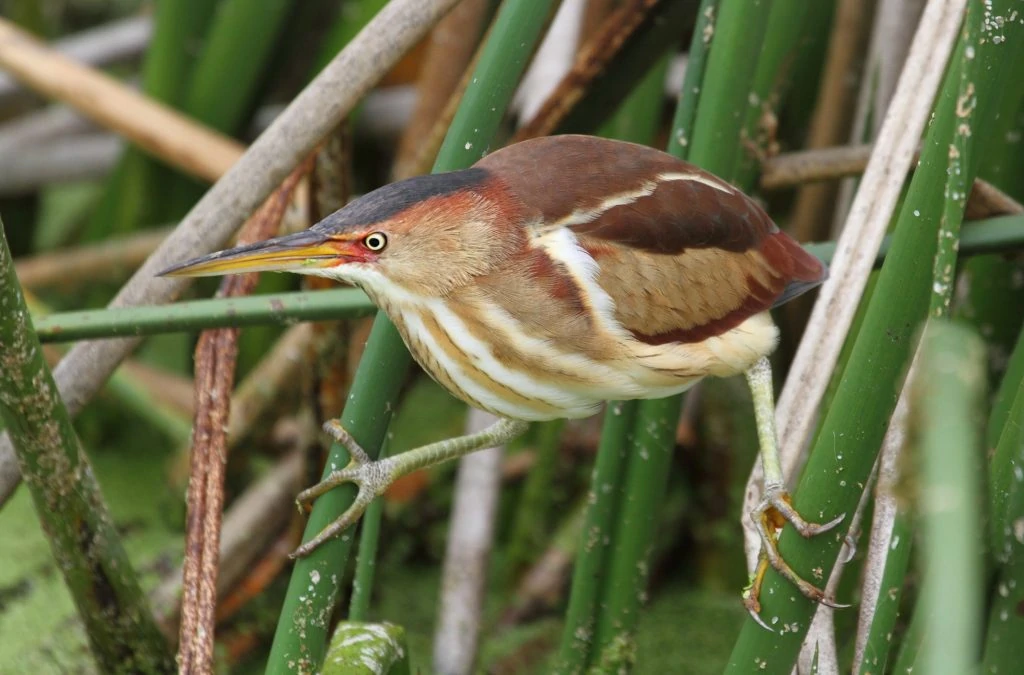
x,y
765,518
780,501
372,479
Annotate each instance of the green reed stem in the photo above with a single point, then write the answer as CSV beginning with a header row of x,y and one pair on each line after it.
x,y
598,526
122,633
947,409
197,315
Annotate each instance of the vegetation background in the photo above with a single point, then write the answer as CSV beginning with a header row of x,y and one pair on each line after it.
x,y
470,568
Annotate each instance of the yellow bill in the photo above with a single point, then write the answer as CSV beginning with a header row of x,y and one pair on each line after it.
x,y
290,253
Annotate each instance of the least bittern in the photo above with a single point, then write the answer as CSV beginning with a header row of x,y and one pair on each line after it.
x,y
552,276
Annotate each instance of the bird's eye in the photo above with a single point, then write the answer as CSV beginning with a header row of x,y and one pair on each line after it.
x,y
375,241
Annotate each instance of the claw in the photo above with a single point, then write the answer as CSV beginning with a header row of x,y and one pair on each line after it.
x,y
769,516
371,477
752,593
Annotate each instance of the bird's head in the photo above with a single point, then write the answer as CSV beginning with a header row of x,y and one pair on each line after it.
x,y
427,235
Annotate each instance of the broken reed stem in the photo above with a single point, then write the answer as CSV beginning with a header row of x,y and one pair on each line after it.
x,y
216,355
593,58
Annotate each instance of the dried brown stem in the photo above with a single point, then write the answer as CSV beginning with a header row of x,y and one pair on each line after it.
x,y
106,260
155,128
251,524
594,16
593,58
215,358
797,168
100,46
833,112
448,55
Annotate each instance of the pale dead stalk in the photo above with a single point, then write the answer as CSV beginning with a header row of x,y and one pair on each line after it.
x,y
100,46
467,555
858,245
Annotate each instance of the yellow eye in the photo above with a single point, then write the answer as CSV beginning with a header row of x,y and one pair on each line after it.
x,y
375,241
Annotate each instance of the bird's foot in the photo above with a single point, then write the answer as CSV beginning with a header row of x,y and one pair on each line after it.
x,y
372,477
774,510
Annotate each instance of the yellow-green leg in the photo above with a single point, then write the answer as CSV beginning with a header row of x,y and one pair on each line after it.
x,y
373,477
775,502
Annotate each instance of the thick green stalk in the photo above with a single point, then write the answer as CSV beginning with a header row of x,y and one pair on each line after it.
x,y
946,405
135,192
227,75
637,121
731,68
196,315
534,504
1006,492
366,562
878,645
1005,628
122,632
852,429
994,301
598,527
238,47
716,137
645,480
301,635
789,24
879,642
366,556
693,78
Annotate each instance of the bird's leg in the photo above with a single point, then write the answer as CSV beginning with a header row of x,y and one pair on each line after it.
x,y
775,506
373,477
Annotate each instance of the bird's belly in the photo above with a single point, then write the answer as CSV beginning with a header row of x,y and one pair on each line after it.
x,y
523,388
510,373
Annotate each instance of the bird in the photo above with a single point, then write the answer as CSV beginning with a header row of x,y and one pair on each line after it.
x,y
552,276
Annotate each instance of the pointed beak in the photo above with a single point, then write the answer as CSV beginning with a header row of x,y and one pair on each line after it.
x,y
291,253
